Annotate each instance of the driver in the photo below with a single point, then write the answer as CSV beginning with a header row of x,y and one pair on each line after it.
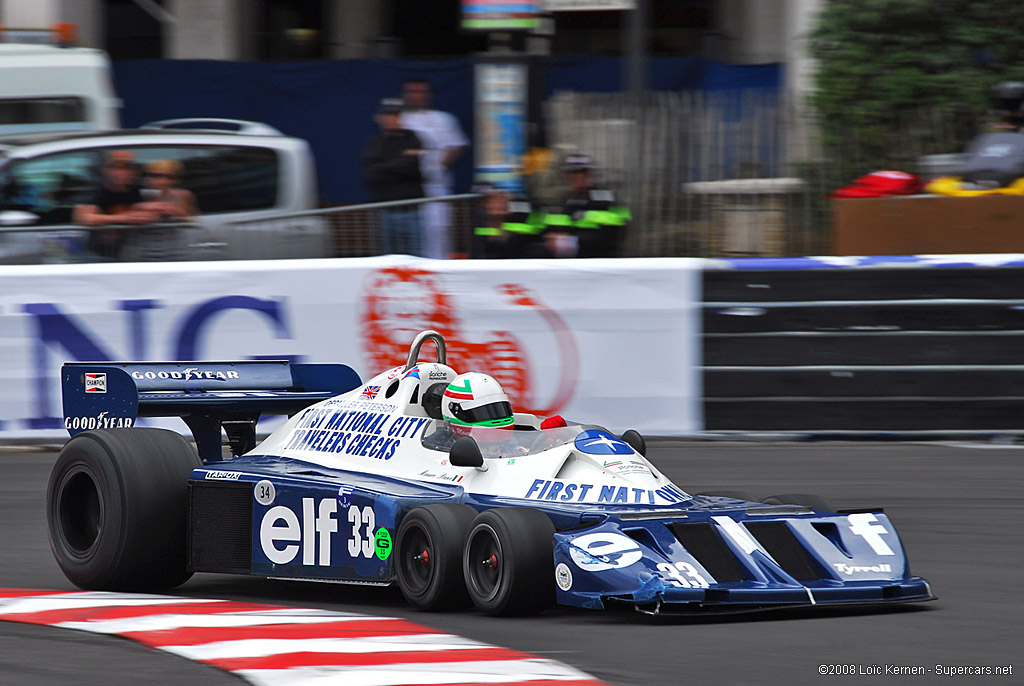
x,y
475,402
469,401
475,399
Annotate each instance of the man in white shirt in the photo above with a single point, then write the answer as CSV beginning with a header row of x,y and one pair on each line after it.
x,y
444,143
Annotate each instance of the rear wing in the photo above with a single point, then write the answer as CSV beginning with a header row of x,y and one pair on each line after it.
x,y
208,396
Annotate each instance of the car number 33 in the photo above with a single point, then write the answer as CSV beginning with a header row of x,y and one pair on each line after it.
x,y
682,574
362,520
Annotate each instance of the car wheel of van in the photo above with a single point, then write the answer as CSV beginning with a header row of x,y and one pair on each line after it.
x,y
429,560
508,561
117,509
802,499
738,495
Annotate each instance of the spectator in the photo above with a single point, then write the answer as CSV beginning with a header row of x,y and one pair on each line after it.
x,y
171,204
391,166
506,227
163,194
117,201
994,160
444,142
588,223
542,169
1008,106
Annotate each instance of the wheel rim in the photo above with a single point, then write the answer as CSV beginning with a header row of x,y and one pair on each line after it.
x,y
485,563
80,512
418,563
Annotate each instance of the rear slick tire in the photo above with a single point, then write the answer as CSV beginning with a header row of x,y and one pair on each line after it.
x,y
508,562
117,509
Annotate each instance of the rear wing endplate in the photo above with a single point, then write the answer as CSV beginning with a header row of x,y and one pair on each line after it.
x,y
208,396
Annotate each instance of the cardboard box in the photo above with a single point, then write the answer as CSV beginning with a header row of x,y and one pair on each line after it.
x,y
928,224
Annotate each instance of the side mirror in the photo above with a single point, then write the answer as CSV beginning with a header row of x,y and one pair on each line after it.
x,y
17,218
634,440
466,453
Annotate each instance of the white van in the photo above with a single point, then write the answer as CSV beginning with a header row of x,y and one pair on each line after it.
x,y
46,89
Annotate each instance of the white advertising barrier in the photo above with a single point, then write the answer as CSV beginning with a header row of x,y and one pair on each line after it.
x,y
610,342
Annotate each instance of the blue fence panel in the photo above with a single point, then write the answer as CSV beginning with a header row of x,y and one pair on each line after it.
x,y
331,103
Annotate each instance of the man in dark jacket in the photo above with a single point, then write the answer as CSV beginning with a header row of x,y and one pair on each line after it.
x,y
117,201
391,166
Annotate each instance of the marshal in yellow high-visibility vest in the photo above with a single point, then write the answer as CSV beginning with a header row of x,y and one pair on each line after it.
x,y
589,223
507,228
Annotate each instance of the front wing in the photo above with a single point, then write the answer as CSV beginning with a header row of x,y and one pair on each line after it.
x,y
733,560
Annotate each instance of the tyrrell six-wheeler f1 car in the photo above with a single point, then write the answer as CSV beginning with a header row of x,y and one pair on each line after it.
x,y
425,478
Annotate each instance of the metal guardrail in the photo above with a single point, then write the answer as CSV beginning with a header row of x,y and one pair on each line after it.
x,y
354,230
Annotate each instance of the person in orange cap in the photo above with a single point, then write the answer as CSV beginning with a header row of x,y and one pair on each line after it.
x,y
118,201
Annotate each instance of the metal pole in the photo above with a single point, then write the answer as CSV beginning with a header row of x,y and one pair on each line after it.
x,y
636,83
637,21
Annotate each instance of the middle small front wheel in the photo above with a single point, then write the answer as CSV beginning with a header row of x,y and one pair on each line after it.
x,y
508,561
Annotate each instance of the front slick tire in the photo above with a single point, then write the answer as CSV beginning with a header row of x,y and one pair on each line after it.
x,y
116,509
508,562
429,556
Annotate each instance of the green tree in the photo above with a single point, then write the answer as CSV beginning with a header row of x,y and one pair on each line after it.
x,y
902,78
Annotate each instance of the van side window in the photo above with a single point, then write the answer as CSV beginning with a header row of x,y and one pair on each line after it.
x,y
51,186
223,178
22,115
231,179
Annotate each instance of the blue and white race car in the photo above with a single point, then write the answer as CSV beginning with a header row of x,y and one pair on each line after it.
x,y
410,478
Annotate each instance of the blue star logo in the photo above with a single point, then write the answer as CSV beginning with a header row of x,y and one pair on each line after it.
x,y
594,442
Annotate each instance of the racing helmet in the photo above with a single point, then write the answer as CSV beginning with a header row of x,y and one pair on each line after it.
x,y
475,399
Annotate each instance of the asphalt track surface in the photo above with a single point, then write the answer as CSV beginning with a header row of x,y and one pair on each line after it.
x,y
957,507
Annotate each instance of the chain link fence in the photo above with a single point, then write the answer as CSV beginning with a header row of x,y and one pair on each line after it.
x,y
710,174
704,174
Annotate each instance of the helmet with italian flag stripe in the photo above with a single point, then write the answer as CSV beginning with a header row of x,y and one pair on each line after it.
x,y
475,399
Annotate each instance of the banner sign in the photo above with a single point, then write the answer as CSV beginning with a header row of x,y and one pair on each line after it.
x,y
500,15
609,342
588,5
501,102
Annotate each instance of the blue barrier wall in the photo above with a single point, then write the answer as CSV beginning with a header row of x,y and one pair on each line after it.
x,y
330,104
864,345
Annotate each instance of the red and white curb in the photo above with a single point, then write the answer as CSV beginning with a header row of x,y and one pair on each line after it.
x,y
273,645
